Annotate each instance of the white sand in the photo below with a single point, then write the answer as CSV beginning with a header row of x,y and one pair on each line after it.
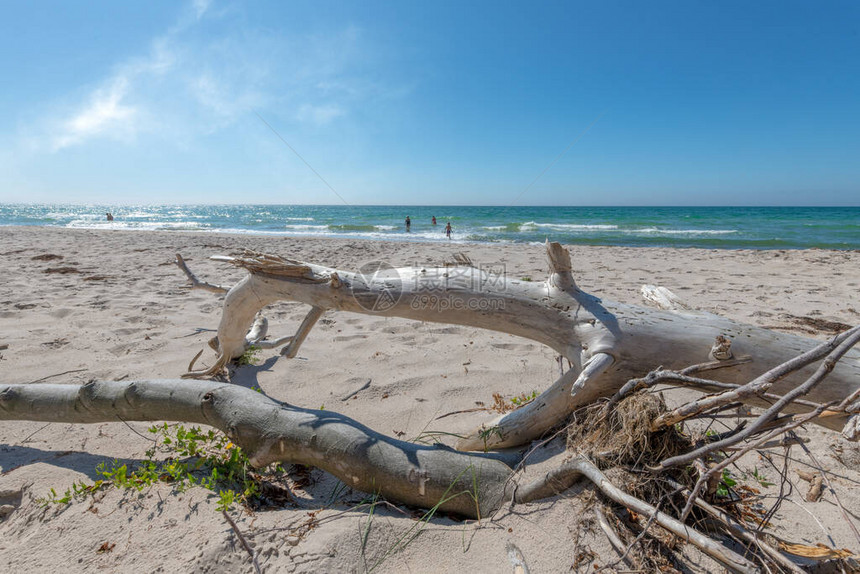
x,y
122,313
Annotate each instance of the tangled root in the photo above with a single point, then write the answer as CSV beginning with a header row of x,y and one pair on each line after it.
x,y
621,442
623,436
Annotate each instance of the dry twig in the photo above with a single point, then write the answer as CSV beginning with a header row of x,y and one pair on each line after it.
x,y
244,542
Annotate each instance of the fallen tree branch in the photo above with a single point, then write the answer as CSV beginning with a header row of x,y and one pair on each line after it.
x,y
564,476
623,340
739,531
835,349
194,282
470,485
826,480
611,535
244,542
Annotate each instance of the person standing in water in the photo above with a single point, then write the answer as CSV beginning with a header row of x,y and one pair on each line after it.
x,y
408,223
434,220
448,230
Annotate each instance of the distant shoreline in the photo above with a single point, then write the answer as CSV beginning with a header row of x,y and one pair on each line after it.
x,y
759,228
391,245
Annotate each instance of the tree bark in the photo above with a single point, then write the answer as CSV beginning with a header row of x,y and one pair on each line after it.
x,y
468,484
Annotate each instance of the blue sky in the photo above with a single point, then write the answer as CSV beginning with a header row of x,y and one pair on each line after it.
x,y
538,103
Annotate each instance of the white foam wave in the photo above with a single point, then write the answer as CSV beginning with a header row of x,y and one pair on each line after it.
x,y
308,228
576,226
138,225
658,231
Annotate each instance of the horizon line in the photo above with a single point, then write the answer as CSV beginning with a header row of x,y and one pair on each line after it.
x,y
421,205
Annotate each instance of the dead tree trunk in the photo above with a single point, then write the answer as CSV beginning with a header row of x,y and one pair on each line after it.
x,y
268,432
469,484
608,343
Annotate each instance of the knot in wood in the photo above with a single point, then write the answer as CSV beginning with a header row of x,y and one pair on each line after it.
x,y
132,394
8,395
722,349
420,478
87,394
209,397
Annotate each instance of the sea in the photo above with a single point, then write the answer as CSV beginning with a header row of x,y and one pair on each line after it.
x,y
702,227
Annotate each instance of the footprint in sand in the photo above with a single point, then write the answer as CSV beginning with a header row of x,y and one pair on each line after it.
x,y
61,313
340,338
513,346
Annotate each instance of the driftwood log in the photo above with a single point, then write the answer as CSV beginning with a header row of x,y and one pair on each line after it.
x,y
469,484
607,343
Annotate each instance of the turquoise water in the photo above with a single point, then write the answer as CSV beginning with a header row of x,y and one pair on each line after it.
x,y
705,227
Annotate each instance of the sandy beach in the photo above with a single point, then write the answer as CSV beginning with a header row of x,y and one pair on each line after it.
x,y
77,305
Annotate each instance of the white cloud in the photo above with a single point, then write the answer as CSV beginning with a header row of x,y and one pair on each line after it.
x,y
113,110
104,114
200,7
319,115
200,77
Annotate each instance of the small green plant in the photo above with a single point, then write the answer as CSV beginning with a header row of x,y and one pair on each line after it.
x,y
726,483
226,498
249,357
432,437
193,458
77,491
419,525
486,433
525,278
524,398
761,479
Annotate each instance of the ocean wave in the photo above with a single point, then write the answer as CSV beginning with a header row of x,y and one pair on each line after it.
x,y
576,226
533,226
140,215
507,227
139,225
658,231
316,228
296,218
352,227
